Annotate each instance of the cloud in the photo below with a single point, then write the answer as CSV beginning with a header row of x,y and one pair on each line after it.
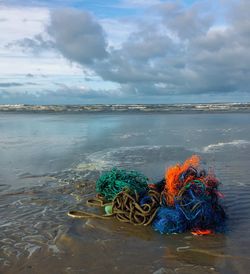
x,y
21,22
81,92
10,84
178,50
162,49
29,75
37,44
37,3
185,22
77,36
7,85
60,94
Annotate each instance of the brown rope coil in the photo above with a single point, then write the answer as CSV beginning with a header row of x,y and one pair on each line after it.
x,y
125,207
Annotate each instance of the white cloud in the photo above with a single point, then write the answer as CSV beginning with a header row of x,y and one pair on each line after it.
x,y
21,22
35,65
25,23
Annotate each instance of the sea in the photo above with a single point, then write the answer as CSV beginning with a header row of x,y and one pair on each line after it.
x,y
51,157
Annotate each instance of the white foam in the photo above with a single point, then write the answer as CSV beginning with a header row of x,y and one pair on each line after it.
x,y
105,159
127,155
131,135
221,145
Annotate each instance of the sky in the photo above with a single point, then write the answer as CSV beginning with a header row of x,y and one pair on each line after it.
x,y
124,51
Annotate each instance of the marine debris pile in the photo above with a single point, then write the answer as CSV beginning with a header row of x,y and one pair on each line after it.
x,y
187,199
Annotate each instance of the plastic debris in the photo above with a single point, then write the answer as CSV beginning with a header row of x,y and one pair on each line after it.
x,y
187,199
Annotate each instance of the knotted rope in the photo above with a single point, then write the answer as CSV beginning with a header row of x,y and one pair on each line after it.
x,y
126,208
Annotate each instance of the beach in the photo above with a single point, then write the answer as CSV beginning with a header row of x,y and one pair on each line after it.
x,y
49,164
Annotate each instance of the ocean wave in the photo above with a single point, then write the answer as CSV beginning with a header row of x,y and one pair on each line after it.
x,y
132,156
222,145
215,107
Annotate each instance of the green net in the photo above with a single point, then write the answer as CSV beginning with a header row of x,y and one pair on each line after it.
x,y
116,180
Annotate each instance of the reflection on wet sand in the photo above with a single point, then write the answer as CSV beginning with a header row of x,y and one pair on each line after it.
x,y
37,236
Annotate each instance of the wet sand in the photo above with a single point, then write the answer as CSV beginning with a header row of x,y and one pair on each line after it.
x,y
58,172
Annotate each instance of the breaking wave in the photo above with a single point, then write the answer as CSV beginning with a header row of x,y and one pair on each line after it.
x,y
222,145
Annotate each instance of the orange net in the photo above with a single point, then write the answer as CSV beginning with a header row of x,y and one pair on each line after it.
x,y
172,177
202,232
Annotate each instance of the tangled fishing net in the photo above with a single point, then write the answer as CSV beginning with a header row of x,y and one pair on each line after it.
x,y
187,199
113,182
192,195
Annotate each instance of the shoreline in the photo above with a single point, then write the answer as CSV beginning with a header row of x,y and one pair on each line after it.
x,y
130,108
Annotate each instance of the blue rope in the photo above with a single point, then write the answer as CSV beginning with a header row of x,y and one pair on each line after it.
x,y
195,208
